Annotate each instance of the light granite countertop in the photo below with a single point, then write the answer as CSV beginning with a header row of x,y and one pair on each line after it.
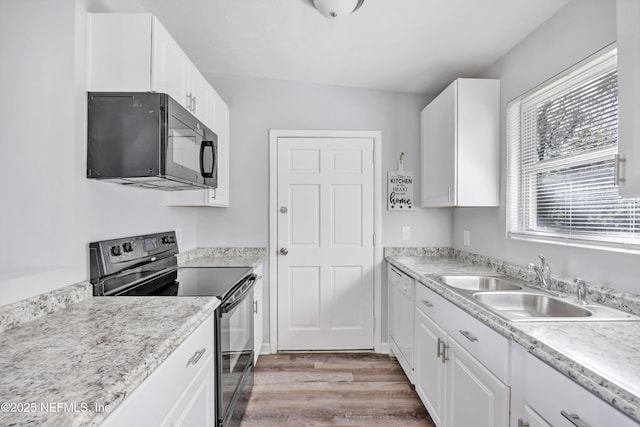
x,y
93,352
222,257
68,348
603,357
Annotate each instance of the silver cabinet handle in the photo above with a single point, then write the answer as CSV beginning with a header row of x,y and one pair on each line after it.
x,y
574,419
255,307
284,251
442,350
617,178
195,108
188,103
196,356
468,335
427,303
522,423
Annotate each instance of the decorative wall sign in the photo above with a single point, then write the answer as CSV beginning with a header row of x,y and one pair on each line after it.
x,y
400,188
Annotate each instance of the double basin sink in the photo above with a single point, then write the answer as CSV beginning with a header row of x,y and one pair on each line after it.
x,y
518,301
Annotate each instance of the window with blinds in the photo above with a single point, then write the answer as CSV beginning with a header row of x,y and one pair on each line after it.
x,y
562,143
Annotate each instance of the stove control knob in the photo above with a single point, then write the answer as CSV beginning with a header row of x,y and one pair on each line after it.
x,y
115,250
127,247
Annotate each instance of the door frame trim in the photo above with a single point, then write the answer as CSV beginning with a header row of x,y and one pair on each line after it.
x,y
274,134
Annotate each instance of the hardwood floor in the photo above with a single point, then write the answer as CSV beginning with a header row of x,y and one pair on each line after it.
x,y
332,389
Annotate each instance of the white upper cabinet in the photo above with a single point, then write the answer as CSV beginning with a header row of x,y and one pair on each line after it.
x,y
170,68
460,145
133,52
628,16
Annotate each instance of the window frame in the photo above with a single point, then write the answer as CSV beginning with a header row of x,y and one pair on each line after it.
x,y
527,229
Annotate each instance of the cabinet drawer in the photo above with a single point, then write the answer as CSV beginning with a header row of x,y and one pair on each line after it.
x,y
151,401
549,392
400,280
432,304
489,347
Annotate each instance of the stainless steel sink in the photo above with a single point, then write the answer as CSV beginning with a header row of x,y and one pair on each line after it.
x,y
539,307
519,301
524,305
480,283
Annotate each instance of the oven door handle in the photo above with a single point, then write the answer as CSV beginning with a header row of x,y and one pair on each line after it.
x,y
250,282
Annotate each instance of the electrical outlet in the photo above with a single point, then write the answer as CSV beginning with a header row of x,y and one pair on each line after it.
x,y
406,233
467,237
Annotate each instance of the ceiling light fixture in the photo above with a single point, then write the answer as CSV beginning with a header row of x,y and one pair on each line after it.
x,y
336,8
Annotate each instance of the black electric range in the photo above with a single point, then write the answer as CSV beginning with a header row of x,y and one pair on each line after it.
x,y
146,265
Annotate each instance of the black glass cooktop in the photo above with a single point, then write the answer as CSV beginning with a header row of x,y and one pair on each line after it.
x,y
196,281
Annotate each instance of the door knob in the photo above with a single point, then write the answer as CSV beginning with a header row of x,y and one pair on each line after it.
x,y
284,251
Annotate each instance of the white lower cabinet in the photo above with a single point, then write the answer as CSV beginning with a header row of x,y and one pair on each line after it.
x,y
551,398
194,407
429,372
180,392
475,397
452,379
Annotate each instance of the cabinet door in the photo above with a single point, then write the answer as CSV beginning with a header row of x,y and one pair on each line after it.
x,y
170,69
628,15
438,135
221,128
475,397
201,97
195,405
119,52
429,370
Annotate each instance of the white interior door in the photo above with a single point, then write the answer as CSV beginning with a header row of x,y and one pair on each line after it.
x,y
325,242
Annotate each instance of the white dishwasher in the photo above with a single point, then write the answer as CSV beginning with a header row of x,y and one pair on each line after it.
x,y
401,317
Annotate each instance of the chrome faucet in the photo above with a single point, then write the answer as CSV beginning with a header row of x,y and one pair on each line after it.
x,y
581,290
543,272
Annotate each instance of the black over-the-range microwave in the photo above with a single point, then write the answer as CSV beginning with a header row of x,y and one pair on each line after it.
x,y
149,140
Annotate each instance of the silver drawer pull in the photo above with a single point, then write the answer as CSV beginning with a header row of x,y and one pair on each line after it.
x,y
468,335
522,423
196,356
439,352
427,303
574,419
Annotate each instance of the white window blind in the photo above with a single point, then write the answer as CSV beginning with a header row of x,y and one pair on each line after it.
x,y
563,138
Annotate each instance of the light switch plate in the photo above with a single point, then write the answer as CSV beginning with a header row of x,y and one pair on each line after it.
x,y
406,233
467,237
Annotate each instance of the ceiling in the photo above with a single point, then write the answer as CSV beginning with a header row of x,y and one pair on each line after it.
x,y
414,46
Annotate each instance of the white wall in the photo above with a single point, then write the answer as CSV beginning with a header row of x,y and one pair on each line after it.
x,y
50,211
257,105
578,30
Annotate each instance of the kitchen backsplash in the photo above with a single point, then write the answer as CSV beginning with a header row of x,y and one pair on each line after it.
x,y
31,308
220,252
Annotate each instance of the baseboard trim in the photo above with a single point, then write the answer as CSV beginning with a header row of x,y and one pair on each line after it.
x,y
384,348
